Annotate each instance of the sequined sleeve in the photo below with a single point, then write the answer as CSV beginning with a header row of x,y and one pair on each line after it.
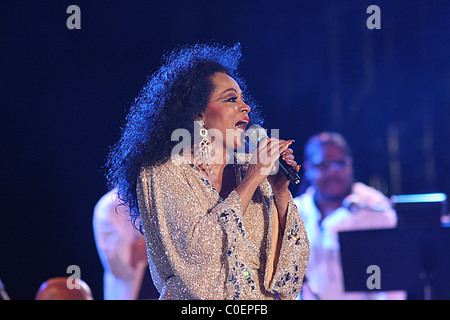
x,y
293,257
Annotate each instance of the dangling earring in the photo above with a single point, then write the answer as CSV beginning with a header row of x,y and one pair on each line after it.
x,y
206,155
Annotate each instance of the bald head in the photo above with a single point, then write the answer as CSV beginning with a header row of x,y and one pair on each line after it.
x,y
57,289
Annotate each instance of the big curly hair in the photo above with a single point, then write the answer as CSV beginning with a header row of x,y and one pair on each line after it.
x,y
173,96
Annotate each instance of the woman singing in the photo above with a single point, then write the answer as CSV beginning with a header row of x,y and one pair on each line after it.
x,y
216,224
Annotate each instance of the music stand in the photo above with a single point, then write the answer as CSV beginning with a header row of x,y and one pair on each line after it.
x,y
420,210
415,260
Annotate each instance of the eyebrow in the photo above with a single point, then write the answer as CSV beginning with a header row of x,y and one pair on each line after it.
x,y
230,89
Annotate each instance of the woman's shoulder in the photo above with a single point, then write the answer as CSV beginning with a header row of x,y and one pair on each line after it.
x,y
171,166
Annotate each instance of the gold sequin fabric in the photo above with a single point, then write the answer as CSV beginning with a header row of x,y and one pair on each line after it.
x,y
201,246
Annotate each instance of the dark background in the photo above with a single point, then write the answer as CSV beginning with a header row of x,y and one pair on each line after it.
x,y
312,65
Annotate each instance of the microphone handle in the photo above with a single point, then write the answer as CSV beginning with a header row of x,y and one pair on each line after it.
x,y
289,171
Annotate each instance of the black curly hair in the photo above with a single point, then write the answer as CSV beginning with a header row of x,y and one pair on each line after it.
x,y
172,98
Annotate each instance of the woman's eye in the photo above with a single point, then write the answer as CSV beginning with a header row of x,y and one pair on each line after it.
x,y
232,99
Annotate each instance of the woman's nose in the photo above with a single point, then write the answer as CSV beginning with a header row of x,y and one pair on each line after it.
x,y
245,107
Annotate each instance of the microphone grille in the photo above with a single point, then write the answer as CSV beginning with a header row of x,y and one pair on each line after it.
x,y
256,133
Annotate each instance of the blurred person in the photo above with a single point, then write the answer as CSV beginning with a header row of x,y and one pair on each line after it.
x,y
332,203
217,225
121,249
57,289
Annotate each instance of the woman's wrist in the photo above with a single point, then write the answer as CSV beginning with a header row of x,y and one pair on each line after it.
x,y
245,190
282,204
282,196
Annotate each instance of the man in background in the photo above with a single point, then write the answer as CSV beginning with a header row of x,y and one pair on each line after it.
x,y
122,251
334,202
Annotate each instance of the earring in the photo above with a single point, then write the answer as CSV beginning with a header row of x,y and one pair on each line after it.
x,y
205,155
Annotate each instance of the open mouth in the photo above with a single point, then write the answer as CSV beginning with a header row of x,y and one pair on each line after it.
x,y
241,124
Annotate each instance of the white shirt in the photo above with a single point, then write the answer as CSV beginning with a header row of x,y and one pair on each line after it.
x,y
324,271
114,236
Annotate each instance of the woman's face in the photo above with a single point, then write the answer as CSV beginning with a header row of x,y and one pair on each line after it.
x,y
226,112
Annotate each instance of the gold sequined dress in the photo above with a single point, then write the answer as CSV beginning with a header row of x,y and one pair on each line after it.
x,y
201,246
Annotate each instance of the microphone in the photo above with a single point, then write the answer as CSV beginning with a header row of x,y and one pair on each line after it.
x,y
353,203
257,133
